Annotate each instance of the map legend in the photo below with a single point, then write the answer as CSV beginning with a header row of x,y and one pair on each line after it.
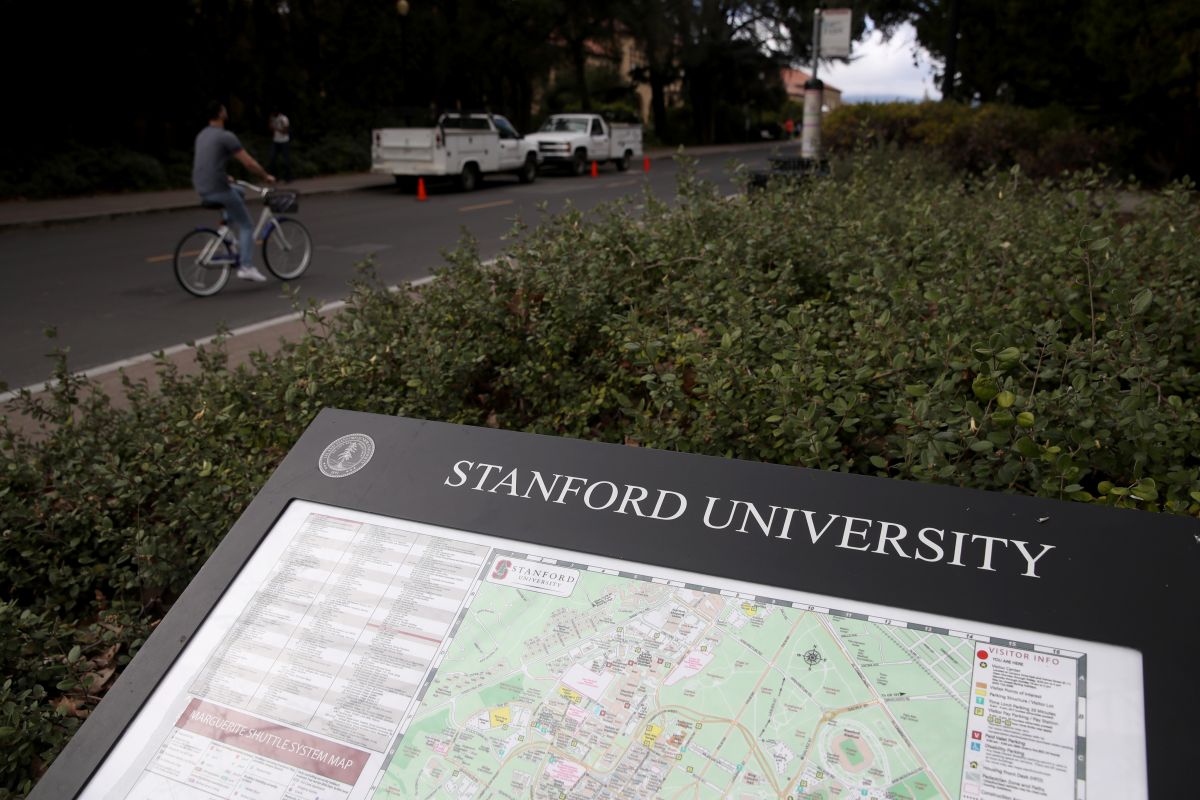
x,y
1023,739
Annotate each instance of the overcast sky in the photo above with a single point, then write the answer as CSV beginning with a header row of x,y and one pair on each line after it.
x,y
884,69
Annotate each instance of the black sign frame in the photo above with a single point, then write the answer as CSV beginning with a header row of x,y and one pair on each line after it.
x,y
1120,577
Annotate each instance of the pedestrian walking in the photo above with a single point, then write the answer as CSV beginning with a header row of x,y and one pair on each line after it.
x,y
281,143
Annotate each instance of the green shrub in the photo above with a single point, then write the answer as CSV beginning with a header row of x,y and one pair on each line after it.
x,y
862,125
1044,143
337,153
899,320
82,170
79,170
53,673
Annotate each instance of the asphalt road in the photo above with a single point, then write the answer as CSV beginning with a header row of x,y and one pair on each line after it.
x,y
108,287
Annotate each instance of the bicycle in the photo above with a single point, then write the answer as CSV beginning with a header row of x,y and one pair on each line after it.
x,y
204,256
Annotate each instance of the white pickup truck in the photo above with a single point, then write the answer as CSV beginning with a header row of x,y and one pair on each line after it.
x,y
575,140
463,146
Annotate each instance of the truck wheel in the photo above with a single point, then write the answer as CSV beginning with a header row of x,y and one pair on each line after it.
x,y
579,162
529,170
468,181
623,162
405,183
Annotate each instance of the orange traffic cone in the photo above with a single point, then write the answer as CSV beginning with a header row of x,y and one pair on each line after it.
x,y
595,170
646,164
421,189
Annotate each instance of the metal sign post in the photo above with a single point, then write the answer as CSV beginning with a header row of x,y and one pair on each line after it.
x,y
831,39
810,136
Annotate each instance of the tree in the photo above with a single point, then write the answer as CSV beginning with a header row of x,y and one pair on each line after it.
x,y
582,26
1126,64
653,26
728,54
731,53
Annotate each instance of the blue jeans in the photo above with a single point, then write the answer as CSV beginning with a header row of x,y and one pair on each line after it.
x,y
239,217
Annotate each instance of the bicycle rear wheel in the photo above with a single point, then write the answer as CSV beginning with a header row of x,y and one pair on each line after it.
x,y
202,262
287,248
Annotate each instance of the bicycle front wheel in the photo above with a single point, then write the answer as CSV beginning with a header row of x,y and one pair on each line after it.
x,y
287,249
202,262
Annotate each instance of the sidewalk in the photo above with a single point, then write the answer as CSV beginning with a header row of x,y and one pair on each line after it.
x,y
23,213
17,213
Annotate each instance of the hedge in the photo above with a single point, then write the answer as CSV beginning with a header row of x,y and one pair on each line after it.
x,y
1043,142
899,319
76,169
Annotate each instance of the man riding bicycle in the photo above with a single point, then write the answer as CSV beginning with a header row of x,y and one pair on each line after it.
x,y
214,146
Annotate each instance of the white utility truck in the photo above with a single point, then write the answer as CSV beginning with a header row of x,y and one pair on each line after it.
x,y
575,140
462,146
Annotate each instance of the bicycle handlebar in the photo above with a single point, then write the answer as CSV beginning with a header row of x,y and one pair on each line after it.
x,y
262,190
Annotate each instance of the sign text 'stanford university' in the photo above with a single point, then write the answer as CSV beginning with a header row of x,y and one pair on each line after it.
x,y
930,543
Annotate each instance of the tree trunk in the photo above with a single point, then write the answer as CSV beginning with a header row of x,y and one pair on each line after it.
x,y
579,58
952,24
658,105
523,105
702,89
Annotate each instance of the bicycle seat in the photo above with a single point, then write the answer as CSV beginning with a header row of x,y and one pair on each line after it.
x,y
210,204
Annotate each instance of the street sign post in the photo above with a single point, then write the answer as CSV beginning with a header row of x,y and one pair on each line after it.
x,y
415,609
831,39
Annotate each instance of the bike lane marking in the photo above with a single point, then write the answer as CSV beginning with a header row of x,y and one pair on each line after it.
x,y
494,204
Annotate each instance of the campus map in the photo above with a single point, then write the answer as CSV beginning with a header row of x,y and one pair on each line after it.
x,y
361,658
608,685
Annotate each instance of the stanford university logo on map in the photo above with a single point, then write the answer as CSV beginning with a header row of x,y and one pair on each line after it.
x,y
346,455
538,576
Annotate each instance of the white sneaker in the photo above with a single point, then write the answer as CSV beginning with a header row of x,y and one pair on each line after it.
x,y
251,273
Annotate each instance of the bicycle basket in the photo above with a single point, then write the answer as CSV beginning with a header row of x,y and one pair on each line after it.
x,y
283,202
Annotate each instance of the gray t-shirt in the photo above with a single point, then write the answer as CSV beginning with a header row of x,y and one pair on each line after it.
x,y
214,146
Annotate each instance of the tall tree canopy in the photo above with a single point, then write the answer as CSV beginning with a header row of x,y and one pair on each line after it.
x,y
138,76
1127,64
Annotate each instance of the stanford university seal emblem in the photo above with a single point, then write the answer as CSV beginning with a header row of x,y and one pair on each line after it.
x,y
347,455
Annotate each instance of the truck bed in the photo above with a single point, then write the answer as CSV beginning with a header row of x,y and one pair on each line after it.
x,y
413,151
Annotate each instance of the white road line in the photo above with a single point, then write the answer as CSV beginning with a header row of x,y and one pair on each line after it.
x,y
168,351
104,369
